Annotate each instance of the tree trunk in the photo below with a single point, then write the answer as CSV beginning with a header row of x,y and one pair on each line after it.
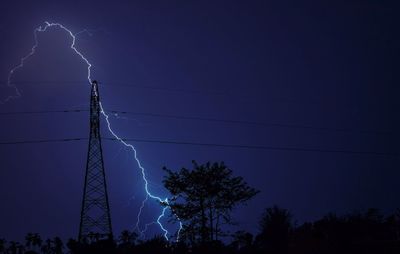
x,y
203,221
211,222
216,226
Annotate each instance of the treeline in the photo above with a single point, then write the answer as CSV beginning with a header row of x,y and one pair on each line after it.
x,y
366,232
202,200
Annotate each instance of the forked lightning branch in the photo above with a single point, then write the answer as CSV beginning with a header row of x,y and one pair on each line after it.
x,y
164,203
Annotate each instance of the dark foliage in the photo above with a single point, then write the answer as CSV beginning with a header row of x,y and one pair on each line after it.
x,y
366,233
203,199
276,226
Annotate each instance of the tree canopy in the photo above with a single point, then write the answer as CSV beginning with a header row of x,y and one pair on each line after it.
x,y
204,197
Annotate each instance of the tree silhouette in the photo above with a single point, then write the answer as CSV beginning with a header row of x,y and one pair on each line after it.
x,y
28,240
157,244
36,241
127,241
204,197
33,240
127,237
58,245
366,232
393,222
242,241
2,245
47,248
15,248
276,224
73,245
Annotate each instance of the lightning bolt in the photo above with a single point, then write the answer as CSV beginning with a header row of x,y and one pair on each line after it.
x,y
137,227
162,201
143,172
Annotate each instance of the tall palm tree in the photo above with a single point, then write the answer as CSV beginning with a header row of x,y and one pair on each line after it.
x,y
15,248
36,241
28,240
20,248
127,238
12,248
47,248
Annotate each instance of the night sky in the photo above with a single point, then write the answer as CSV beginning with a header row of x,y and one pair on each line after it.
x,y
321,78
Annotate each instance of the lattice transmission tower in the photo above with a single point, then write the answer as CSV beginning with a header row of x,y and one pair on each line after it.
x,y
95,221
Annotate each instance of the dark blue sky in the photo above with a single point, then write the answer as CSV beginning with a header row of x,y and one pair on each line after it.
x,y
327,66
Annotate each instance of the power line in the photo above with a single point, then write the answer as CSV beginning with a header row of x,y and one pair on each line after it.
x,y
260,147
44,112
208,119
21,142
230,121
237,146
